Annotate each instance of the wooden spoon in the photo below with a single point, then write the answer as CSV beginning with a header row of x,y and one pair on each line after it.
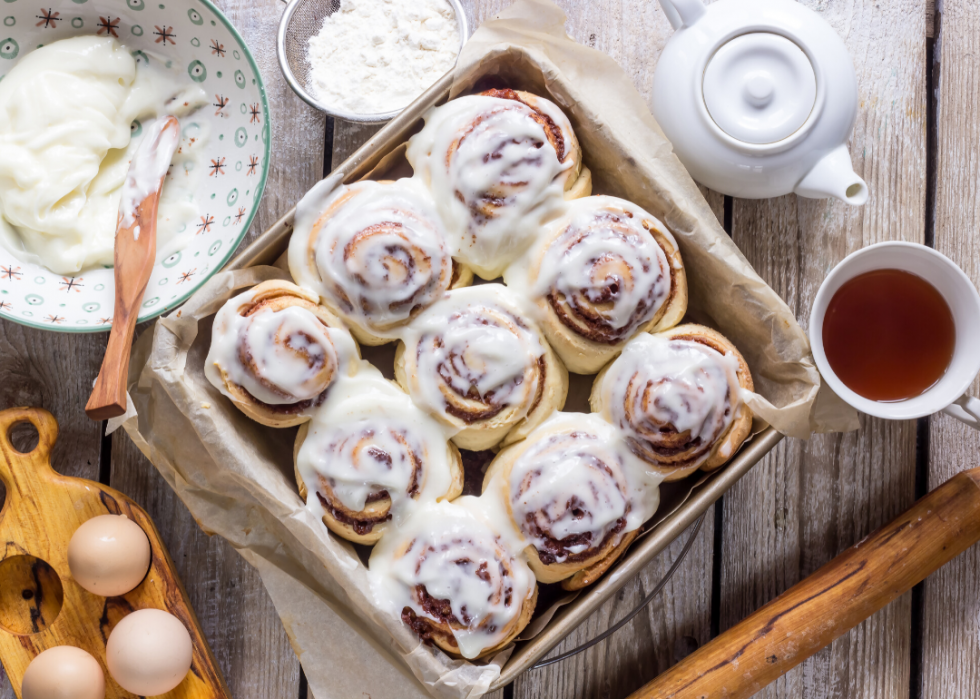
x,y
135,254
845,592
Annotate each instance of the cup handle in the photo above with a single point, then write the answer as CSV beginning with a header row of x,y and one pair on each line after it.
x,y
965,409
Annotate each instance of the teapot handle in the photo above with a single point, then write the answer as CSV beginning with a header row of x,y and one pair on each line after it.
x,y
682,13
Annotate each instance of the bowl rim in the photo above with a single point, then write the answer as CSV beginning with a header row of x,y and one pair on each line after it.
x,y
260,192
287,73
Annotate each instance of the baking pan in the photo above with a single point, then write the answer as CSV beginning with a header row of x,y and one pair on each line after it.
x,y
272,244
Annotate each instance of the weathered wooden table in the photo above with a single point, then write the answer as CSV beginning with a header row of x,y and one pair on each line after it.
x,y
916,143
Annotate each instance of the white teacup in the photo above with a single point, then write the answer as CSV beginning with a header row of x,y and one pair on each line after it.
x,y
949,393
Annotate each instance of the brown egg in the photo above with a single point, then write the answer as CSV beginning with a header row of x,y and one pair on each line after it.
x,y
109,555
63,672
149,652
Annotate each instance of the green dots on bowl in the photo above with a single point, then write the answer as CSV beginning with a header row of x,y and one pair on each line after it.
x,y
137,30
141,57
195,42
162,7
137,5
34,299
226,222
39,281
232,196
77,22
240,79
195,17
172,260
163,282
215,247
221,137
156,299
244,109
77,2
91,307
197,71
212,195
9,21
219,74
9,49
237,55
213,23
99,287
238,166
241,136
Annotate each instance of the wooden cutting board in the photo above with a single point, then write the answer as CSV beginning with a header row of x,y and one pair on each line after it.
x,y
41,606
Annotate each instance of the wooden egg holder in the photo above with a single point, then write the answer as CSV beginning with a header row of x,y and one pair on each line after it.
x,y
41,606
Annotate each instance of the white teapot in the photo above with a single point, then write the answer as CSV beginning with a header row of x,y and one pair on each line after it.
x,y
758,98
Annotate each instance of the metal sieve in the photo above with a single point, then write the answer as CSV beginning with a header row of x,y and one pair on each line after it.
x,y
301,20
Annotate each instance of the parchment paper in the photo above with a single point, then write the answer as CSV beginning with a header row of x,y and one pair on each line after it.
x,y
235,476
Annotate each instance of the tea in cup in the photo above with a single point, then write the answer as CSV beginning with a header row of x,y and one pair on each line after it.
x,y
895,332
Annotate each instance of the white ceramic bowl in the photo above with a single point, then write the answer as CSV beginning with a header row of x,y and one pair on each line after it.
x,y
200,40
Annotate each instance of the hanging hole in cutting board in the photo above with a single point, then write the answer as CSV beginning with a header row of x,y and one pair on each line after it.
x,y
31,595
24,437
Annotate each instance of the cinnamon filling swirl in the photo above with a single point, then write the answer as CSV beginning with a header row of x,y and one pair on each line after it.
x,y
606,273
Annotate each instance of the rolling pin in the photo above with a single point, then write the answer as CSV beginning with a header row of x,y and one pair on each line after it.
x,y
836,598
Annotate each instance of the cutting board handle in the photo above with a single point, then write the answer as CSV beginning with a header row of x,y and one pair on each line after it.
x,y
16,478
836,598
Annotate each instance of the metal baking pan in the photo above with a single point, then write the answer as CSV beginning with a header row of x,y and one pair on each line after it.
x,y
272,244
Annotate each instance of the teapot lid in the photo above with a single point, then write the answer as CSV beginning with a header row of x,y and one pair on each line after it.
x,y
759,87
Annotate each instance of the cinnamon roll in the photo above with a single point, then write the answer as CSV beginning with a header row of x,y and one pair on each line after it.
x,y
275,353
603,272
499,164
476,362
677,396
453,580
575,493
369,456
376,252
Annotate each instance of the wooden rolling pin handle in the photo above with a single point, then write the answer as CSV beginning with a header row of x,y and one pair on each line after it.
x,y
836,598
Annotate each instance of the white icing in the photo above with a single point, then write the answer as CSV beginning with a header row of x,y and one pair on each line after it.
x,y
476,338
664,387
368,436
148,168
599,260
294,356
574,475
376,251
494,175
450,550
66,112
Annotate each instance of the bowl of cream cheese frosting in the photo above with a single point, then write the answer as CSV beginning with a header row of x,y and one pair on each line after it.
x,y
80,84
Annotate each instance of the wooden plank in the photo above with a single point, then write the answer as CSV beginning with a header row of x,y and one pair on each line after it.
x,y
950,643
235,611
807,501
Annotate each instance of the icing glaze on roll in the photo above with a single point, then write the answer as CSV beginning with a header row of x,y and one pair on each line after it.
x,y
576,487
475,355
375,251
452,580
498,164
280,354
369,444
603,273
674,398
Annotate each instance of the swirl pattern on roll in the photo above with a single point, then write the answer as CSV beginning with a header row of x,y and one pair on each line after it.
x,y
376,251
604,271
273,351
369,455
499,164
474,358
452,580
675,397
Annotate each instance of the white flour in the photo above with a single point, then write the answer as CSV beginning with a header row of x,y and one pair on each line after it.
x,y
376,56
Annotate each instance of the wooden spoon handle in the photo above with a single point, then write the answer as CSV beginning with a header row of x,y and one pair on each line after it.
x,y
108,397
840,595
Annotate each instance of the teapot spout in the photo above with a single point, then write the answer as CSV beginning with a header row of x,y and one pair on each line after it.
x,y
833,176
